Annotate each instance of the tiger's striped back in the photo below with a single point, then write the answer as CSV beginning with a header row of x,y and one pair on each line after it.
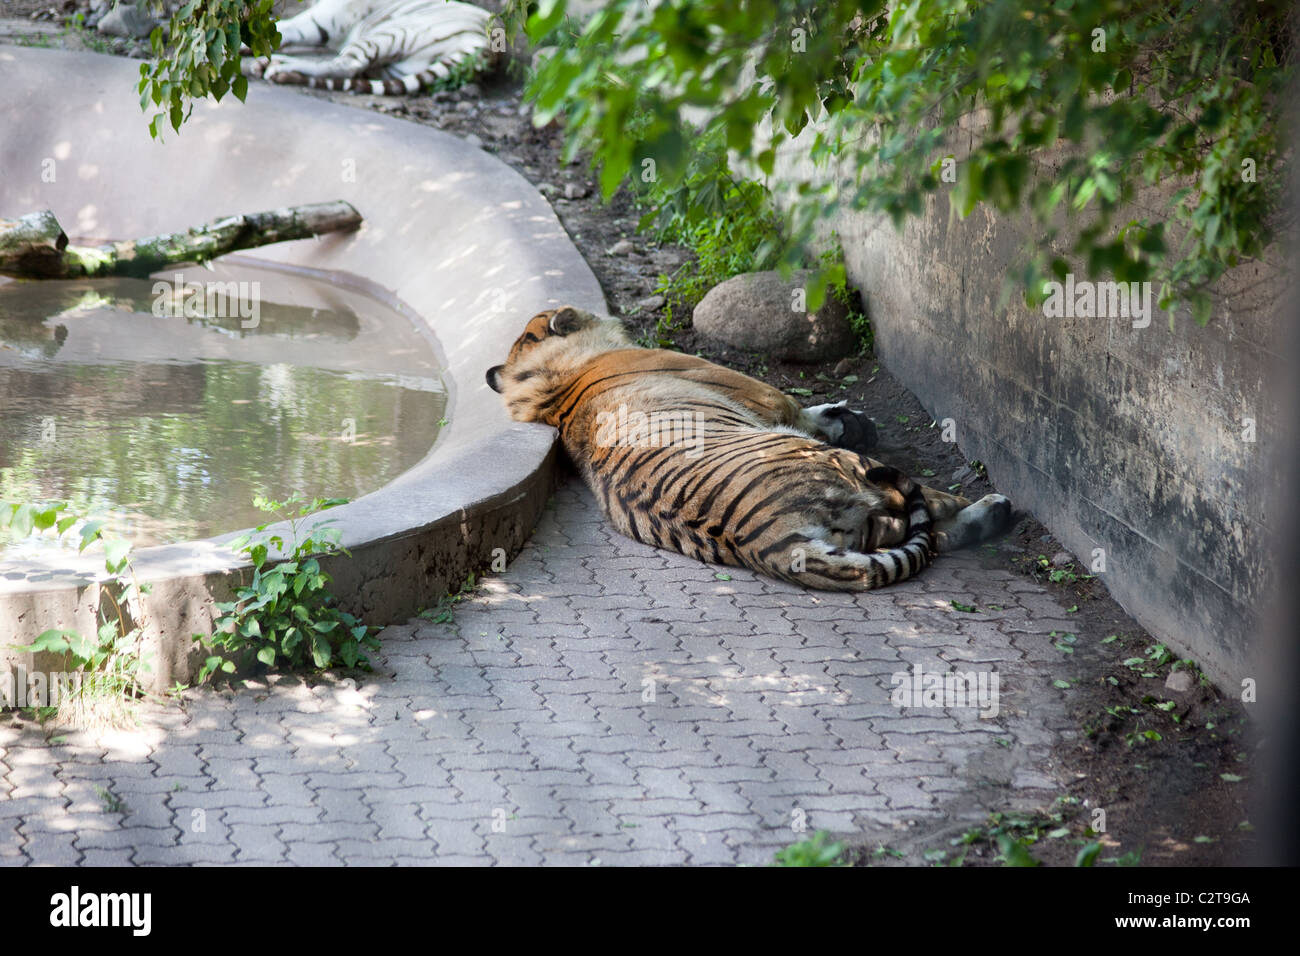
x,y
413,43
677,464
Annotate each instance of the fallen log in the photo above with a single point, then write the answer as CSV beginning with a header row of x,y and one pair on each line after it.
x,y
36,247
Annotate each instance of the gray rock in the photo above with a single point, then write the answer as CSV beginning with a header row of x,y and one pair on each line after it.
x,y
474,140
762,312
548,190
842,368
621,248
1062,558
650,303
126,20
1180,681
575,191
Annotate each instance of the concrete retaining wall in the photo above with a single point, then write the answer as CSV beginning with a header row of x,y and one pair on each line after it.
x,y
1134,441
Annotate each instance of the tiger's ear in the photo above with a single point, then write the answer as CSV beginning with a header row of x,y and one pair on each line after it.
x,y
565,320
494,378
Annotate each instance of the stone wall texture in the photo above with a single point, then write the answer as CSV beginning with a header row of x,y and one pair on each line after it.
x,y
1136,441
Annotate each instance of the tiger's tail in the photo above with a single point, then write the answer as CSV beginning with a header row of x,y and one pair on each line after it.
x,y
834,569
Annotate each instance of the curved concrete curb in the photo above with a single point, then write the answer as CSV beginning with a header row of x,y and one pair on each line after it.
x,y
450,232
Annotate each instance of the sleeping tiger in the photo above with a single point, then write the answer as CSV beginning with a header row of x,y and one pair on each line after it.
x,y
687,455
411,42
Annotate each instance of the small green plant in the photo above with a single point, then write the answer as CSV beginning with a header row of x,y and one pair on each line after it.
x,y
444,612
39,40
102,675
817,850
76,26
729,224
110,801
286,615
1009,835
458,75
1063,575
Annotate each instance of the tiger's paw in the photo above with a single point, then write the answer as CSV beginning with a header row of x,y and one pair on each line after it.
x,y
842,427
979,521
283,70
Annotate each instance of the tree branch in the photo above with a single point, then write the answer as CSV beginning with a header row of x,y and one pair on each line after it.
x,y
36,247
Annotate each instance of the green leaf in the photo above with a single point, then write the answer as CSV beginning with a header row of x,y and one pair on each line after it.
x,y
115,552
90,533
1087,855
23,520
1013,852
267,656
320,650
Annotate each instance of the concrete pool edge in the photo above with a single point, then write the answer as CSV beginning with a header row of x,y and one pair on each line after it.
x,y
451,232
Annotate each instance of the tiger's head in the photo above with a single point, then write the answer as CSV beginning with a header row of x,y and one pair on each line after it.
x,y
552,346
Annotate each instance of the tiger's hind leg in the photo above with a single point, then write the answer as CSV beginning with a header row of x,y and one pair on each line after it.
x,y
291,69
980,521
958,522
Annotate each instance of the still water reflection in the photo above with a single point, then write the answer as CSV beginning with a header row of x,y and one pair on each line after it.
x,y
157,406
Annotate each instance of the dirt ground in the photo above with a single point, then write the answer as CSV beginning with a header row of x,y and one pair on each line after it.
x,y
1173,766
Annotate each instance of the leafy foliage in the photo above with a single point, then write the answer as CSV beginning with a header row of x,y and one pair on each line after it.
x,y
112,662
732,226
286,615
1065,108
444,612
198,54
817,850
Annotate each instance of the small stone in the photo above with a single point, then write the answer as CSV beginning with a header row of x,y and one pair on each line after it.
x,y
471,91
575,191
963,474
842,368
125,20
548,190
1180,682
651,303
1062,558
473,140
513,160
621,248
465,106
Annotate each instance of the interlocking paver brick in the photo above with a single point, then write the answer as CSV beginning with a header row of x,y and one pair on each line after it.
x,y
520,734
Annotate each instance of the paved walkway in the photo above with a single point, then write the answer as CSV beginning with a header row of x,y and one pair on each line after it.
x,y
601,701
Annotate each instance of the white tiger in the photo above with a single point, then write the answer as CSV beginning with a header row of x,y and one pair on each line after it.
x,y
410,43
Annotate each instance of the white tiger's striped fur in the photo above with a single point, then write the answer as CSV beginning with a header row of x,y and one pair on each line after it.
x,y
410,43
